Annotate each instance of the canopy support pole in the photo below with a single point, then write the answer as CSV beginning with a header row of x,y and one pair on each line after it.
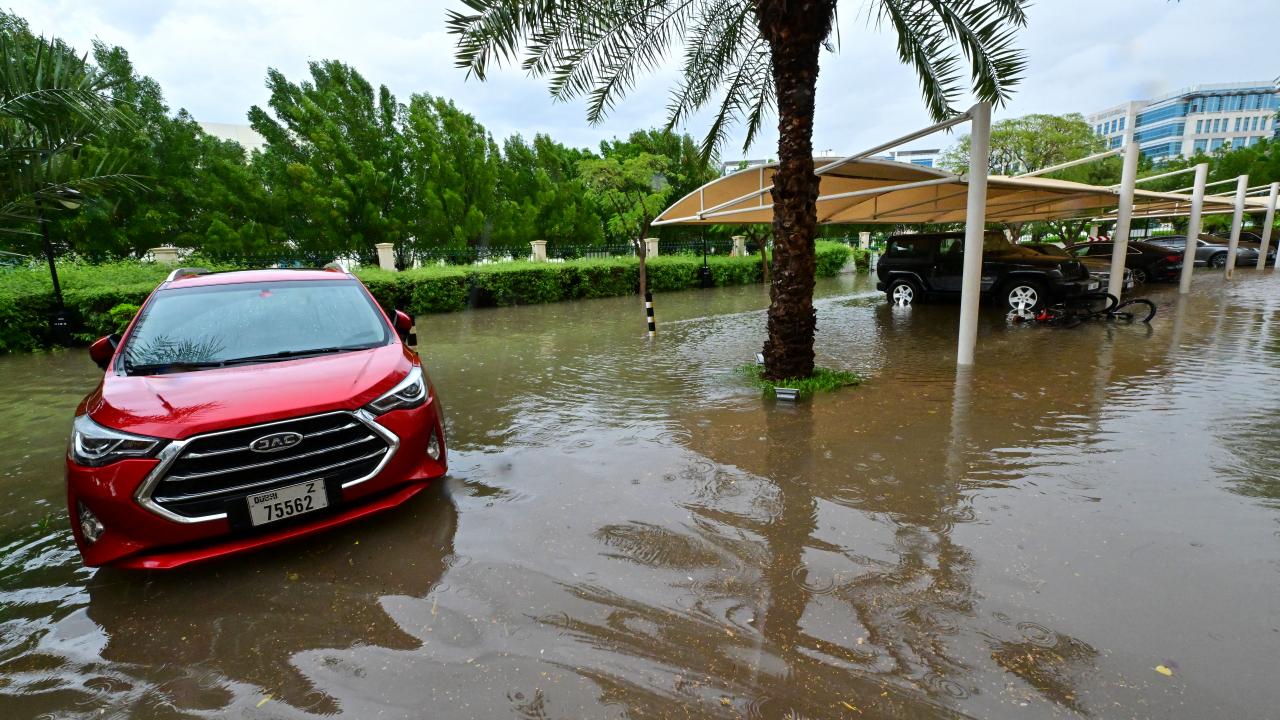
x,y
1193,228
974,228
1124,217
1266,226
1237,219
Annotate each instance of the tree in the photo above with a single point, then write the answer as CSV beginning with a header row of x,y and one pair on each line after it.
x,y
453,167
751,54
202,193
52,102
333,160
1029,143
543,197
634,190
1034,142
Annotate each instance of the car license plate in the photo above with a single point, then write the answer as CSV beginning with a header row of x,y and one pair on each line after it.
x,y
286,502
1095,285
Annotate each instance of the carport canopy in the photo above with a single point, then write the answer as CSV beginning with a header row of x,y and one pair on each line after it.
x,y
884,191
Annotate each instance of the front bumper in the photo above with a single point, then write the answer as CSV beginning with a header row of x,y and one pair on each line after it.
x,y
135,537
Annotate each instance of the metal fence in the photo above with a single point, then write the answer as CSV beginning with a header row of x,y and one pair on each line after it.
x,y
285,259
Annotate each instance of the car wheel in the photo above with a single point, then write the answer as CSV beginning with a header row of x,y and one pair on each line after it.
x,y
1219,260
1139,276
902,292
1024,296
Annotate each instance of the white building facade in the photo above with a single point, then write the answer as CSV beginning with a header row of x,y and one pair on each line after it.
x,y
1201,118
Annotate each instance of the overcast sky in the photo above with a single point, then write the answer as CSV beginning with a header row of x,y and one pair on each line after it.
x,y
211,57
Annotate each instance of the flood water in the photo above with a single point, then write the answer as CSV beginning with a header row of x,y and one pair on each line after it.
x,y
630,531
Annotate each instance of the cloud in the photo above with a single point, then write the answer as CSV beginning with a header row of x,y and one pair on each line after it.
x,y
211,58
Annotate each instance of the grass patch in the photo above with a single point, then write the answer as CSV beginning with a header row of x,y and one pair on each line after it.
x,y
822,380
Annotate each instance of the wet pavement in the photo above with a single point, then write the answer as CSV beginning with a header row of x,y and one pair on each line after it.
x,y
628,530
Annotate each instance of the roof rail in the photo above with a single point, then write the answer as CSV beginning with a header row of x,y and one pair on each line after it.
x,y
335,267
182,272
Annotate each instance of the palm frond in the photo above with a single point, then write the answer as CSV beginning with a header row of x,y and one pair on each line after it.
x,y
922,44
598,48
934,34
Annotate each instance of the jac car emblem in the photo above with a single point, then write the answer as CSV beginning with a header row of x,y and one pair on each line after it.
x,y
275,442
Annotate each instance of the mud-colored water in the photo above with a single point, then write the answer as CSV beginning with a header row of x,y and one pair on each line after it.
x,y
630,531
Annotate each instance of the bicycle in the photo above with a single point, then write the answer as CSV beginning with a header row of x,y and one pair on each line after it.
x,y
1071,312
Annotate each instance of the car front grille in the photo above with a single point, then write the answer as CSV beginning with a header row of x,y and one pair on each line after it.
x,y
213,470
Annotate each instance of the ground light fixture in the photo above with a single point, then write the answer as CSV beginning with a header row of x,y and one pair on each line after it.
x,y
788,394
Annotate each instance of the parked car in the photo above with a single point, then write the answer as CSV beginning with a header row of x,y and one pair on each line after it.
x,y
1247,240
1210,251
1147,262
1098,267
915,267
243,409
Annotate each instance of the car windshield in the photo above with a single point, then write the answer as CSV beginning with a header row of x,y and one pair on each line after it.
x,y
219,325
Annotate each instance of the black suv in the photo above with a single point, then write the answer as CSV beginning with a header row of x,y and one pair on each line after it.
x,y
1018,278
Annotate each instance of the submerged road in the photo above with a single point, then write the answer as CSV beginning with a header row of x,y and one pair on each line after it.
x,y
1088,525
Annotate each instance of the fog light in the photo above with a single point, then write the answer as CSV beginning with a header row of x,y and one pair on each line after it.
x,y
90,526
433,446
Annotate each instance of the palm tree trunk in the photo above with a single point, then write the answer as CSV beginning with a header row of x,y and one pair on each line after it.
x,y
794,30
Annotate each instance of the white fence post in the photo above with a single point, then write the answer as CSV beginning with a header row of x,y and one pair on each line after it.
x,y
1237,219
651,247
165,255
974,230
386,256
1124,218
539,249
1193,228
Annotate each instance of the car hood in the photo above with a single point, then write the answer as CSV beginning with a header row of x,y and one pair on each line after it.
x,y
179,405
1095,264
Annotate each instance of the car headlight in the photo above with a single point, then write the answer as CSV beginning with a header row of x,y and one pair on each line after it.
x,y
408,393
94,446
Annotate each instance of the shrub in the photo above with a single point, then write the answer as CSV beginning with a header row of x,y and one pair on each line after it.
x,y
822,380
121,315
831,257
521,283
105,297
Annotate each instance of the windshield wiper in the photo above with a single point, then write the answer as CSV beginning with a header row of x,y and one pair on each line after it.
x,y
158,368
292,354
153,368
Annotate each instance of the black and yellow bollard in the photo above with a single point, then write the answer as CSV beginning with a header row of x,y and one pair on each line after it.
x,y
648,312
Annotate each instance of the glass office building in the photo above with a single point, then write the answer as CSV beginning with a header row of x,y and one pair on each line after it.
x,y
1199,118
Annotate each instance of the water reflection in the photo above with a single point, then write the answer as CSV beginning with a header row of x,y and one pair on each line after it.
x,y
230,633
632,532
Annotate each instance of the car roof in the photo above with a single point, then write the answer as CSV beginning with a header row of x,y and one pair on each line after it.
x,y
235,277
1140,244
952,235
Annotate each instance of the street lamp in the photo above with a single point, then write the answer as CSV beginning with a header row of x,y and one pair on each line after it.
x,y
68,199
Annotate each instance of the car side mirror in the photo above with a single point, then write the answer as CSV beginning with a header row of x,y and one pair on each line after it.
x,y
103,349
404,326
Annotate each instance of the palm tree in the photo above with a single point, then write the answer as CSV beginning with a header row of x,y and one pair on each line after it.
x,y
752,55
51,102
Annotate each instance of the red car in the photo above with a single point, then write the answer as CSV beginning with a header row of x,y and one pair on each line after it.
x,y
243,409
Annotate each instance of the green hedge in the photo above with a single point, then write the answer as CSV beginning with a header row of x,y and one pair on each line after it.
x,y
104,297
